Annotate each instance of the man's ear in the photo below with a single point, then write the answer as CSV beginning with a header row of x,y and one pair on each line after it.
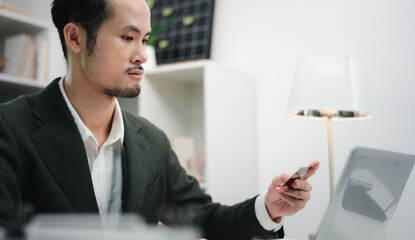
x,y
74,37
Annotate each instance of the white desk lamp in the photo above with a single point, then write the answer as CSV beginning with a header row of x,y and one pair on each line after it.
x,y
330,87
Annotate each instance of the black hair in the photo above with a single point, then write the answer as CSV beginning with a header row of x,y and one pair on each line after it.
x,y
90,14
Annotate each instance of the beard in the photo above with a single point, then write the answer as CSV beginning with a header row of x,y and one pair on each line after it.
x,y
124,92
130,92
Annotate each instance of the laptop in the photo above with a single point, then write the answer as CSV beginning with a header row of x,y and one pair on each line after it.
x,y
366,196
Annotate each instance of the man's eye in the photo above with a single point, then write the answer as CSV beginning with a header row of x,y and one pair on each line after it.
x,y
145,41
127,38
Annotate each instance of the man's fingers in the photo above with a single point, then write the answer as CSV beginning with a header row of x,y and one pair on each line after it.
x,y
297,194
304,185
295,203
314,166
278,180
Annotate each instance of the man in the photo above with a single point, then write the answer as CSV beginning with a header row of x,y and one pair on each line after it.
x,y
70,149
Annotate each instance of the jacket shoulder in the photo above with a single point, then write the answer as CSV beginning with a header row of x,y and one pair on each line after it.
x,y
143,125
138,121
17,108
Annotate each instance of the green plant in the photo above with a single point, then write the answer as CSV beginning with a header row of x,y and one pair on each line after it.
x,y
157,28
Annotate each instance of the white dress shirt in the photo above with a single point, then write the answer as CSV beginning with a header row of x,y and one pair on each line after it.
x,y
106,167
263,216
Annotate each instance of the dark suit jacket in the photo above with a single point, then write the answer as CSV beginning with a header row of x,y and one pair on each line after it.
x,y
43,162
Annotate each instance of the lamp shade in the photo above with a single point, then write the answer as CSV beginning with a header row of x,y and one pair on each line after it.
x,y
330,86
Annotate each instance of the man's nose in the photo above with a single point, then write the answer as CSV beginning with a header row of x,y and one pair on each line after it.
x,y
140,55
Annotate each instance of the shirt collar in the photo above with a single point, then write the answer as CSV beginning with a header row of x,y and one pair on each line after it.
x,y
117,128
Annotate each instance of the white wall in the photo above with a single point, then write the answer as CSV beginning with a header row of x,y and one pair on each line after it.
x,y
265,37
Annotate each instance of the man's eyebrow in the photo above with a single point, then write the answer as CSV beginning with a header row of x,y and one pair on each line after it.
x,y
132,28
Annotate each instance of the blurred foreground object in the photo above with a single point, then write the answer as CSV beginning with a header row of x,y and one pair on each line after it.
x,y
120,227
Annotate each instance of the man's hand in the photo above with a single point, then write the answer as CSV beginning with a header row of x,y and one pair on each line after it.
x,y
286,201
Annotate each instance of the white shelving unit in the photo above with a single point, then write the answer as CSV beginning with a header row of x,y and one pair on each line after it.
x,y
215,106
32,23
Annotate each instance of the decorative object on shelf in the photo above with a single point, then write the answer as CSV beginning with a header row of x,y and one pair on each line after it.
x,y
195,166
332,88
181,30
185,149
2,62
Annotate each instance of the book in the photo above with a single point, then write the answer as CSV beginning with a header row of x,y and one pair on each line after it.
x,y
21,57
28,67
14,50
42,61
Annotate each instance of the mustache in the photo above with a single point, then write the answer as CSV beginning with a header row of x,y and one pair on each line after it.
x,y
134,68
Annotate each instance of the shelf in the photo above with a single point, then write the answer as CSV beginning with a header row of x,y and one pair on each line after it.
x,y
180,72
187,72
15,23
26,82
12,24
11,86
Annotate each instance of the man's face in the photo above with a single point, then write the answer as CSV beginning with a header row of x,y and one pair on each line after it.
x,y
115,64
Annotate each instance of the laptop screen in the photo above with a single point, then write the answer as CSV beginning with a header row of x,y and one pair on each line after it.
x,y
366,196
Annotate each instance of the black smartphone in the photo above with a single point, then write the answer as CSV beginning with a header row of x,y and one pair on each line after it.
x,y
298,174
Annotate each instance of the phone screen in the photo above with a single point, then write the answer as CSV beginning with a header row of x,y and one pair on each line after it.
x,y
298,174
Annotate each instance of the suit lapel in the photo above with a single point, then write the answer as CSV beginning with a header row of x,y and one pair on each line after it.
x,y
136,170
60,145
61,148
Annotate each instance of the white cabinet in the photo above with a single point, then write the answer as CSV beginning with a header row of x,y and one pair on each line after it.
x,y
215,106
33,23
